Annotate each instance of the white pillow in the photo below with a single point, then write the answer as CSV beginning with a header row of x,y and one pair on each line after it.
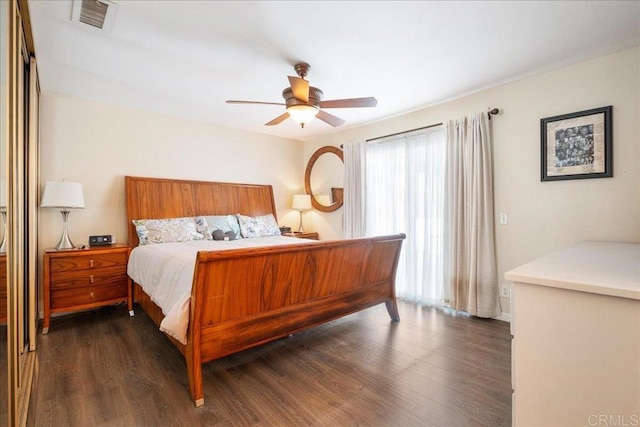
x,y
259,226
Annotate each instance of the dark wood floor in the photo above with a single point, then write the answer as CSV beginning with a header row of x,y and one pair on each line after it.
x,y
103,368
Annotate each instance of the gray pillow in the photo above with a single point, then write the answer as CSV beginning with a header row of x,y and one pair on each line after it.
x,y
224,223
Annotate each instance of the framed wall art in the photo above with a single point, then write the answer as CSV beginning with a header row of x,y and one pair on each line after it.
x,y
577,145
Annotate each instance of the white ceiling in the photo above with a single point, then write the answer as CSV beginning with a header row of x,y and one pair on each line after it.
x,y
185,58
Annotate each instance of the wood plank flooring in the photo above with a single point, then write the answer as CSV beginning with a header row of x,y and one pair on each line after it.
x,y
433,368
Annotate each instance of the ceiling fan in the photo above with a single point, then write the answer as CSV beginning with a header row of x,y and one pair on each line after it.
x,y
305,102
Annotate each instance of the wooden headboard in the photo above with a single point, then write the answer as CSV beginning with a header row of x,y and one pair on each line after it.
x,y
155,198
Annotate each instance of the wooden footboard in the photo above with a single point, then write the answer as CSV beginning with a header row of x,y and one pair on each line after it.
x,y
247,297
244,298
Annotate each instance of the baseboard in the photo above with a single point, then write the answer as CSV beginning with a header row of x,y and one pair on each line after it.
x,y
505,317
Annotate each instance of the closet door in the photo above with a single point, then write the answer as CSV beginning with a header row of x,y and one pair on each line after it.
x,y
19,159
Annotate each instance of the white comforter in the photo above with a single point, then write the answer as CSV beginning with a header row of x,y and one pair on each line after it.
x,y
165,272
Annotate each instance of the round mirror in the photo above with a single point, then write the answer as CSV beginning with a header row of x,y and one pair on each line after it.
x,y
323,179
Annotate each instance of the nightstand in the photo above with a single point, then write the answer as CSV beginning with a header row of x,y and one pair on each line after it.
x,y
306,235
79,279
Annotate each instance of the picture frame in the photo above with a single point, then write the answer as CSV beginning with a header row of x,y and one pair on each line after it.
x,y
577,145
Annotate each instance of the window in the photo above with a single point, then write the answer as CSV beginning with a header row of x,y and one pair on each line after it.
x,y
404,182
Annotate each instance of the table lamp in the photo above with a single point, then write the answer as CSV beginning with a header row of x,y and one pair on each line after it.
x,y
301,202
64,196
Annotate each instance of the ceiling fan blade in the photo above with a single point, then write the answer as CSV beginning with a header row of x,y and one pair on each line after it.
x,y
349,103
300,88
231,101
330,119
278,120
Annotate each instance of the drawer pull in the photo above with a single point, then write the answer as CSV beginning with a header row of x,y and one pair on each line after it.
x,y
91,263
91,279
92,295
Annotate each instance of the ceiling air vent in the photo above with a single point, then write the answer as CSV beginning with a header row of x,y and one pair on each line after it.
x,y
93,12
96,13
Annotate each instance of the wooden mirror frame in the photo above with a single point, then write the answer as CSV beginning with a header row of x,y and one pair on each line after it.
x,y
337,204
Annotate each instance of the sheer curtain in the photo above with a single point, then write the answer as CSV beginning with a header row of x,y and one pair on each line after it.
x,y
404,193
470,269
354,173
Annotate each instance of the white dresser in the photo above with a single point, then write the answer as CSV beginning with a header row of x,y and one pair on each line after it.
x,y
575,321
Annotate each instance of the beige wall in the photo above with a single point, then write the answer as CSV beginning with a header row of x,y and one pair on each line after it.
x,y
543,216
97,145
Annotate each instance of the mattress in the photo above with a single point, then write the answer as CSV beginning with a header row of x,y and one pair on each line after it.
x,y
165,273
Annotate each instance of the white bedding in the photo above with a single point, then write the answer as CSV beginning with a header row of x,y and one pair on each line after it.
x,y
165,273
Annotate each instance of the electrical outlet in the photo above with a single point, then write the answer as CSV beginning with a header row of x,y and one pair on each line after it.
x,y
505,291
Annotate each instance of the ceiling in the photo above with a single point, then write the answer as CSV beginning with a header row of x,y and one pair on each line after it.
x,y
185,58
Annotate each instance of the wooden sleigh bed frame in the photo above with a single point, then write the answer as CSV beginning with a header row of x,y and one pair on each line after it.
x,y
246,297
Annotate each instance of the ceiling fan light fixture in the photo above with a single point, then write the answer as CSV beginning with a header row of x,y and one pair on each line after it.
x,y
302,114
304,102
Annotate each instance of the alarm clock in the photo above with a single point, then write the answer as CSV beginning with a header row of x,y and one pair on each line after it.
x,y
104,240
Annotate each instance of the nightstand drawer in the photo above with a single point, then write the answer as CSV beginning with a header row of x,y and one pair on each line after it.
x,y
87,262
74,279
88,295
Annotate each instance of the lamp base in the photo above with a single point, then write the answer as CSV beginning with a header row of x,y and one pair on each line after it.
x,y
300,229
65,241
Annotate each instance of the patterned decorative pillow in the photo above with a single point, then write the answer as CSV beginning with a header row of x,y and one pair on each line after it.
x,y
224,223
259,226
171,230
202,227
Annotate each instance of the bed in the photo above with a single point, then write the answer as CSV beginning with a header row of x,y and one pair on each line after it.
x,y
244,297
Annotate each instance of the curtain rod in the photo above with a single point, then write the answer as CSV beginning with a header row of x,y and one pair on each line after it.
x,y
404,131
491,112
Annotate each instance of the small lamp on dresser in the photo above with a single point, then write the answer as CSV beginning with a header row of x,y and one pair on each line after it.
x,y
301,202
64,196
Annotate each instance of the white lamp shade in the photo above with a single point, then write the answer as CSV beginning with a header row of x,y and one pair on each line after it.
x,y
65,195
301,202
